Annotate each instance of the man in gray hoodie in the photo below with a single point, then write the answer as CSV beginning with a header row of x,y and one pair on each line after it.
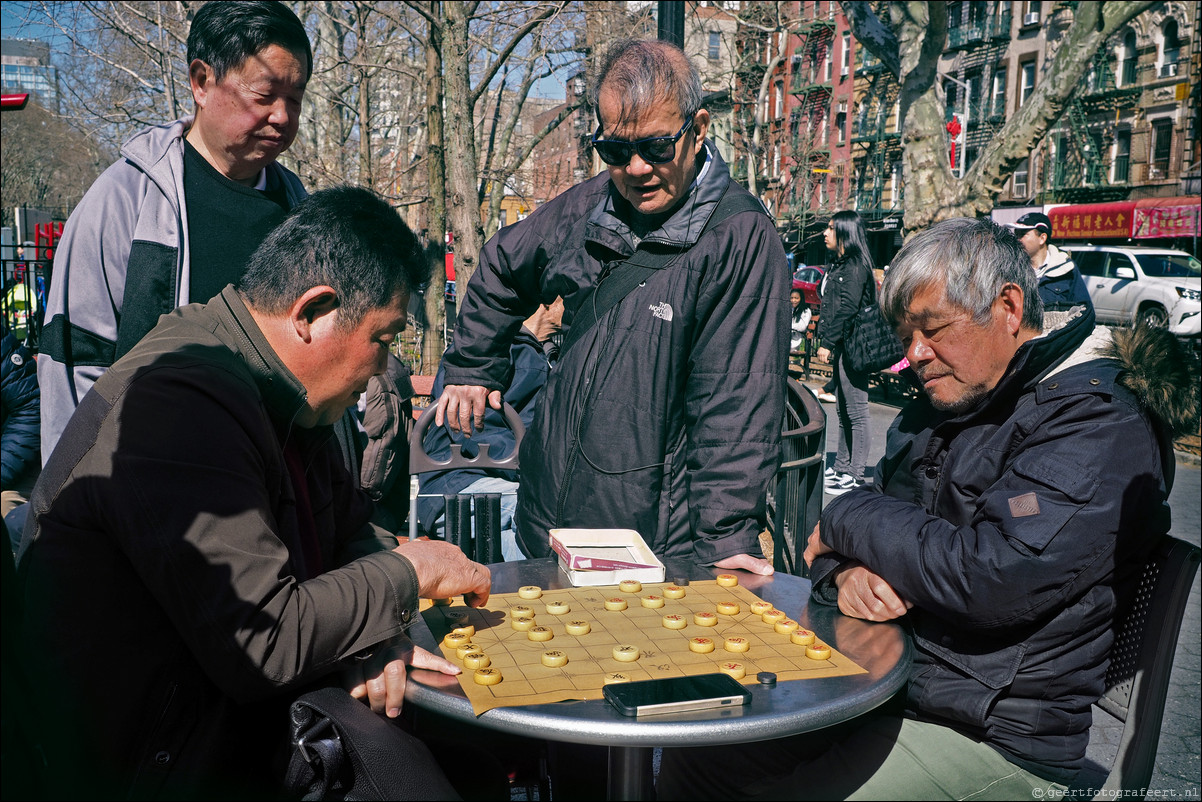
x,y
178,215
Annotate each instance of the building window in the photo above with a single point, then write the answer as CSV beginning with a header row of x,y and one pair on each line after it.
x,y
1121,168
997,108
715,46
845,58
1031,12
1019,181
1170,49
1162,147
841,122
778,99
1027,82
1130,59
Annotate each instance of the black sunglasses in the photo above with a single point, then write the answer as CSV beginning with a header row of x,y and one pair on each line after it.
x,y
654,150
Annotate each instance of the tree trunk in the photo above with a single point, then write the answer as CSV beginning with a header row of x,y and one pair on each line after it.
x,y
434,343
463,212
366,174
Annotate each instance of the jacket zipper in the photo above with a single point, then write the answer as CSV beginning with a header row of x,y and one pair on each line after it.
x,y
570,468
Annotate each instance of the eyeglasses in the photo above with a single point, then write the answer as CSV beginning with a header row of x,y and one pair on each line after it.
x,y
654,150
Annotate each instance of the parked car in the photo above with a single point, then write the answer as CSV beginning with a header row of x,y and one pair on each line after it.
x,y
1157,286
807,278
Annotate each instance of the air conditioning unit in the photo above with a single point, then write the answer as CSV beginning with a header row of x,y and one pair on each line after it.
x,y
843,70
1168,70
1031,18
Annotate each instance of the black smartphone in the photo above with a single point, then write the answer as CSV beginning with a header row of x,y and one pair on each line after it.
x,y
676,694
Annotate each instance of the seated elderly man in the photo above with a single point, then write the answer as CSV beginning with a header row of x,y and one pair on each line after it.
x,y
196,553
1012,506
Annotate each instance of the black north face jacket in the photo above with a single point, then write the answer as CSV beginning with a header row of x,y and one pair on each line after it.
x,y
666,416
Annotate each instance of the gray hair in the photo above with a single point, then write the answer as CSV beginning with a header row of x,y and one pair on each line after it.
x,y
972,259
645,73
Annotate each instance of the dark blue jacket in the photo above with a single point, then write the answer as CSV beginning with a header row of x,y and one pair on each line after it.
x,y
20,427
1061,285
530,369
1013,528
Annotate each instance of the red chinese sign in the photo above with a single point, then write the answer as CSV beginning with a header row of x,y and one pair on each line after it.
x,y
1167,217
1090,220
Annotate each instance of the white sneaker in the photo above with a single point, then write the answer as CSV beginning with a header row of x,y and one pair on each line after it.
x,y
828,398
833,477
843,484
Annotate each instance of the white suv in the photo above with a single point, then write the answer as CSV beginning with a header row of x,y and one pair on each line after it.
x,y
1157,286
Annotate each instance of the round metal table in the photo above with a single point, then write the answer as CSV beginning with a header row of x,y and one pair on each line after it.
x,y
787,708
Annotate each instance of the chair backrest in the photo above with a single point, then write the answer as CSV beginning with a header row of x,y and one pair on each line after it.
x,y
421,462
1141,660
471,521
795,496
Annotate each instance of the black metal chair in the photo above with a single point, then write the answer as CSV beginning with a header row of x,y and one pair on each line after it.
x,y
795,497
481,542
1137,681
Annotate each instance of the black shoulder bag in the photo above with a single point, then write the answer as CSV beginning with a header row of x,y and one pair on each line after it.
x,y
342,750
641,265
871,344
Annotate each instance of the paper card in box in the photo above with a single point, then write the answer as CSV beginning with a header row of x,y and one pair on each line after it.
x,y
605,556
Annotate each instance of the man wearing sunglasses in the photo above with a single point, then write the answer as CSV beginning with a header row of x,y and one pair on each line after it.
x,y
664,415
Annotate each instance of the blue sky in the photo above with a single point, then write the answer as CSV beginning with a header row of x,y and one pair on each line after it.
x,y
12,16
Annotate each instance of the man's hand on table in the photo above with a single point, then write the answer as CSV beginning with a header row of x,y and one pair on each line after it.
x,y
380,679
462,406
815,547
443,571
755,565
862,593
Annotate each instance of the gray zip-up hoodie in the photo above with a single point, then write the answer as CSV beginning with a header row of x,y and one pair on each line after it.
x,y
130,229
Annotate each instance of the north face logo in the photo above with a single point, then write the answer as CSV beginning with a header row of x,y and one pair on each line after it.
x,y
662,310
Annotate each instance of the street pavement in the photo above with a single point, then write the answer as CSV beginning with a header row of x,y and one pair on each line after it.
x,y
1178,772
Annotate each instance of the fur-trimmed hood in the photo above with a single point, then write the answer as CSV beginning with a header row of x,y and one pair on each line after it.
x,y
1159,371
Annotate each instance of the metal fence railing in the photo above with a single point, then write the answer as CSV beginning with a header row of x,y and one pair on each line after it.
x,y
23,287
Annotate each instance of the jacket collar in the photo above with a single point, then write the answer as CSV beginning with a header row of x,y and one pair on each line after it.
x,y
1057,263
283,394
608,226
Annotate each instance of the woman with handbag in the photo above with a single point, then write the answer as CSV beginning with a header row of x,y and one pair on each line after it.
x,y
847,287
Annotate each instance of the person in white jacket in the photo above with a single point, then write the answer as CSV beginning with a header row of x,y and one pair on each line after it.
x,y
799,321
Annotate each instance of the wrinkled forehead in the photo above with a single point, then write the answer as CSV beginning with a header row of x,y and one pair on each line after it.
x,y
628,108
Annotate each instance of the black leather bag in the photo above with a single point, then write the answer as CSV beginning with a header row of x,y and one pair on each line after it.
x,y
342,750
871,344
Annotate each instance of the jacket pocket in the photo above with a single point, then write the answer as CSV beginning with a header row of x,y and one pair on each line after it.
x,y
965,680
1048,492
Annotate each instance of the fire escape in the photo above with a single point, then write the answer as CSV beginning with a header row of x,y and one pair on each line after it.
x,y
876,140
810,125
1079,162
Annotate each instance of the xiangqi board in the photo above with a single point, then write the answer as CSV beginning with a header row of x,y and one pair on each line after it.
x,y
568,643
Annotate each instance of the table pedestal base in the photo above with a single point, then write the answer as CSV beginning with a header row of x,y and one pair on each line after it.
x,y
630,776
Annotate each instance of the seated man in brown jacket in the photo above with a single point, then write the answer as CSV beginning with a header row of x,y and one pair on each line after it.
x,y
197,554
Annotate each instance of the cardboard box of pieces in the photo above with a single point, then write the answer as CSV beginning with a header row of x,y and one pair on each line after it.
x,y
605,556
